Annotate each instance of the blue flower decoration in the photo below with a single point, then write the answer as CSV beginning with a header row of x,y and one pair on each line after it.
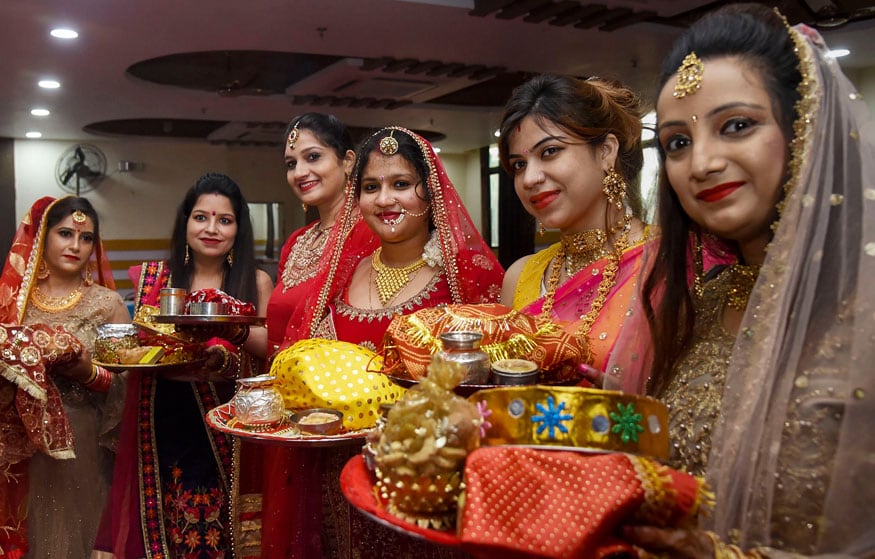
x,y
551,417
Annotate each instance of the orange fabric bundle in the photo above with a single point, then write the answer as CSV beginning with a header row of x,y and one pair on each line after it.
x,y
411,339
521,502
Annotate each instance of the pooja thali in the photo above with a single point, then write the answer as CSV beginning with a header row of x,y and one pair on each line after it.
x,y
357,485
183,367
223,419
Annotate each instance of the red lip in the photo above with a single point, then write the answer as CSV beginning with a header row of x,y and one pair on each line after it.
x,y
71,257
210,241
307,185
389,215
543,199
719,192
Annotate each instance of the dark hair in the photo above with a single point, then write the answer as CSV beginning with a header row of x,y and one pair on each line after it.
x,y
239,279
66,206
407,148
327,129
586,109
757,36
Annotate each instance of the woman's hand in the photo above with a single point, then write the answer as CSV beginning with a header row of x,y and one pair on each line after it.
x,y
79,370
677,543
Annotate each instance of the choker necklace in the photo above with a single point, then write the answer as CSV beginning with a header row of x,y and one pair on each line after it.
x,y
582,249
51,304
390,281
741,281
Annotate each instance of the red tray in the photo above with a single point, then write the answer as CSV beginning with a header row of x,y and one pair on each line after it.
x,y
357,484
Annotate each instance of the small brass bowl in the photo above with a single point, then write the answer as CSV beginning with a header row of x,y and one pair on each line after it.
x,y
318,421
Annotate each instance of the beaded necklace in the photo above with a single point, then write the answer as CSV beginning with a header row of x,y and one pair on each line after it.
x,y
609,275
390,281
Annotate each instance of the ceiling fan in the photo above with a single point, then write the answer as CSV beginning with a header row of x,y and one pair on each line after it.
x,y
80,168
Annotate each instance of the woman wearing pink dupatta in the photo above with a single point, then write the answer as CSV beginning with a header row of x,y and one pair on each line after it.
x,y
572,147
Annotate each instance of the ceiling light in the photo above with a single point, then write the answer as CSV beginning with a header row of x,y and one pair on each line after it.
x,y
49,84
437,150
838,53
34,135
40,112
62,33
497,133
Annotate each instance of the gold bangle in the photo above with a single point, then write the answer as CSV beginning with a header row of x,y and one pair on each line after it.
x,y
92,377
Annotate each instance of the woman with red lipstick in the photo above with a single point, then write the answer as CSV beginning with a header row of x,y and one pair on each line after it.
x,y
173,476
56,274
319,157
573,148
766,364
429,254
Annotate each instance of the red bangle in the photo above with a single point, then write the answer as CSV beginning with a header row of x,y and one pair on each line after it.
x,y
100,380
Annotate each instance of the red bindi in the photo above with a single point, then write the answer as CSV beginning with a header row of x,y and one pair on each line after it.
x,y
214,213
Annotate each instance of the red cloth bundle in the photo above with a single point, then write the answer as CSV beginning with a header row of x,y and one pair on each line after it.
x,y
234,306
34,419
525,503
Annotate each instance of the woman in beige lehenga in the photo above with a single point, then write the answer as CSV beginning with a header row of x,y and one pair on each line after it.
x,y
766,363
56,274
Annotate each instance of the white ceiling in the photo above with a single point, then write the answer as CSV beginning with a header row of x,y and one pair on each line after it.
x,y
114,34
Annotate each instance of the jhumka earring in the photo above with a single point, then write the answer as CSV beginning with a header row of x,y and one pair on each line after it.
x,y
614,188
187,256
42,271
305,207
689,76
541,229
230,258
88,280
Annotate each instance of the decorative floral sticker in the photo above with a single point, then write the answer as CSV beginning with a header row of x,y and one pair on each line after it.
x,y
551,417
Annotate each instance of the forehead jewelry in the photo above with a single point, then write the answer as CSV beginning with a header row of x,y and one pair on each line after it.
x,y
79,216
695,118
293,135
389,145
689,76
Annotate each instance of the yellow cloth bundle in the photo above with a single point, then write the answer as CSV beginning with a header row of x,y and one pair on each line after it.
x,y
320,373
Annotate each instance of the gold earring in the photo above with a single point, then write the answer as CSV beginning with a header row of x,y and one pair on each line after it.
x,y
614,188
187,256
89,274
304,207
230,258
541,229
42,271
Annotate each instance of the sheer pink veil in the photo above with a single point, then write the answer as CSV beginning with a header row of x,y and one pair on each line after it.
x,y
808,336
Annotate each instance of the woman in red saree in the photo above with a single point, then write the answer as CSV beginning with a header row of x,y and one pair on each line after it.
x,y
573,148
57,274
402,192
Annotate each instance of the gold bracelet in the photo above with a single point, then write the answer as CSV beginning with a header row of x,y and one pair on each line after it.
x,y
728,551
92,377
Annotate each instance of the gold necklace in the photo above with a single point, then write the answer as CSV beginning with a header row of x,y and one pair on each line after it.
x,y
741,281
51,304
609,275
390,281
303,260
582,249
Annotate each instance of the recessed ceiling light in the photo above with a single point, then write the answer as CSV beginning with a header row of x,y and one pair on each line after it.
x,y
838,53
62,33
40,112
34,135
49,84
437,150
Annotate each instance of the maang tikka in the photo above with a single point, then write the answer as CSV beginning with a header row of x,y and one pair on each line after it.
x,y
689,76
293,135
389,145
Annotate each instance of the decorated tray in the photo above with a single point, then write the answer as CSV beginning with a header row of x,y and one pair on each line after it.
x,y
205,319
357,484
222,419
183,367
466,390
